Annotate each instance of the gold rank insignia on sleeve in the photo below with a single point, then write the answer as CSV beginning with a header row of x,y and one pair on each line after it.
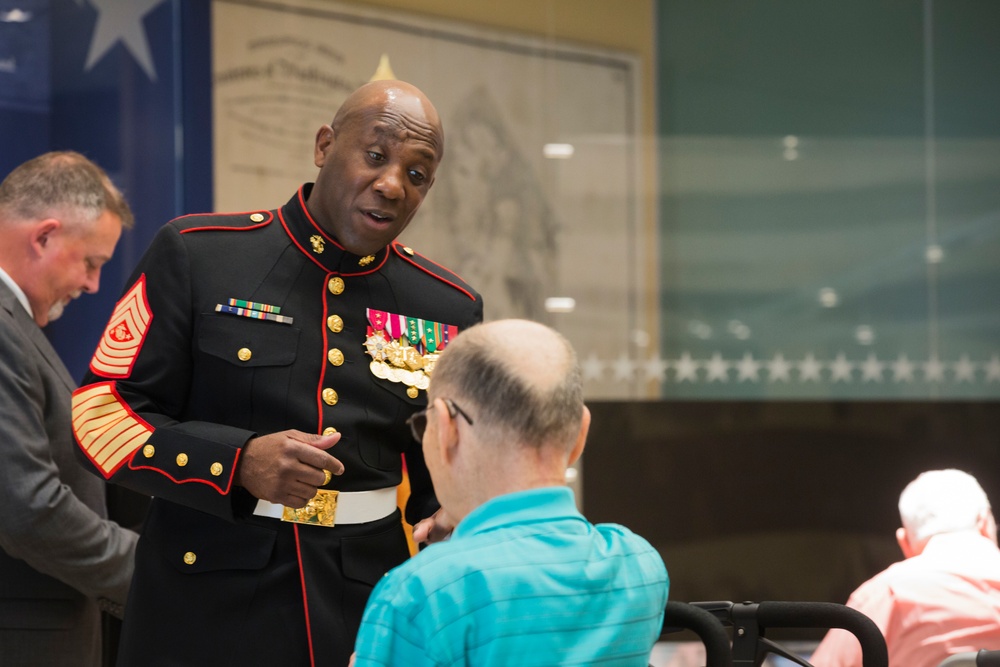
x,y
404,349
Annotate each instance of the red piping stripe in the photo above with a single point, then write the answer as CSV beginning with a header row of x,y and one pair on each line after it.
x,y
461,289
305,597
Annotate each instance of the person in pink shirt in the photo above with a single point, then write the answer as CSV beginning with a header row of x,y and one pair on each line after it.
x,y
944,597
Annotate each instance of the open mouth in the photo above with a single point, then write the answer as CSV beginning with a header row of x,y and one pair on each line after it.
x,y
378,217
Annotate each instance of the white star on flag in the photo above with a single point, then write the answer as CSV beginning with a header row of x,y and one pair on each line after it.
x,y
121,21
809,368
592,367
717,368
778,368
965,370
871,369
656,369
747,368
993,369
902,369
624,368
840,369
934,370
686,367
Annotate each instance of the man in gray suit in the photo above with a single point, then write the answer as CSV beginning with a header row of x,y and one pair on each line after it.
x,y
61,559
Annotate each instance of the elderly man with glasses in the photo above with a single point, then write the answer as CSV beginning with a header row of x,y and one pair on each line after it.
x,y
524,578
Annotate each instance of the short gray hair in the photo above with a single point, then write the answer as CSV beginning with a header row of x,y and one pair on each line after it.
x,y
941,501
61,183
512,403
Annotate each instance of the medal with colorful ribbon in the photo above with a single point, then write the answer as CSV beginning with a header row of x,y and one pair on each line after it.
x,y
404,349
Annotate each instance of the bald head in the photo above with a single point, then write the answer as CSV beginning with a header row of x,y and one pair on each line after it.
x,y
392,99
521,377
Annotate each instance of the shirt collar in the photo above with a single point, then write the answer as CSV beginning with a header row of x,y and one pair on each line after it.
x,y
543,504
318,245
18,292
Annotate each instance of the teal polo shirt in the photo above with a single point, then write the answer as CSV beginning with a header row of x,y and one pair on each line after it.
x,y
524,580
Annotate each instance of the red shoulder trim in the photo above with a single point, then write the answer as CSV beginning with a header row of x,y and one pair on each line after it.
x,y
267,218
411,259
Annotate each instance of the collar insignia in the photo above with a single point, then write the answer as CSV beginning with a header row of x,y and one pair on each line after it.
x,y
317,243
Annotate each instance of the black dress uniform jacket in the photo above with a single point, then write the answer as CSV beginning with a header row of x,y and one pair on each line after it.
x,y
177,387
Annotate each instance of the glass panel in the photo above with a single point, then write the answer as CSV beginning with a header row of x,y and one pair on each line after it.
x,y
830,200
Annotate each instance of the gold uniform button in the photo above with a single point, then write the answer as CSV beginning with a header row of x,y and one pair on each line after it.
x,y
408,250
189,558
182,459
330,396
336,285
412,392
257,217
148,451
329,430
336,357
244,354
335,323
216,469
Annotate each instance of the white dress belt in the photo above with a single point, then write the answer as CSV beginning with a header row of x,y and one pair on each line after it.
x,y
352,506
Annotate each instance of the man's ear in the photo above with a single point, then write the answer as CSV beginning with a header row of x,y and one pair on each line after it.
x,y
987,525
447,432
42,233
581,438
324,137
904,543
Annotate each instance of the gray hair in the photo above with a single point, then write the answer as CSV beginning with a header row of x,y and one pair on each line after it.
x,y
514,401
941,501
61,184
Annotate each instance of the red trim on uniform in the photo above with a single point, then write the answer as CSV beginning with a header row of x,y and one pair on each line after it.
x,y
179,481
397,247
298,245
305,210
305,596
312,255
325,362
269,217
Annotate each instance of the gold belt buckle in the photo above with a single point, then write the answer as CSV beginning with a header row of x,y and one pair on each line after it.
x,y
321,510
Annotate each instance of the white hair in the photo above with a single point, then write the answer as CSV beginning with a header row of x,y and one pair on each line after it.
x,y
941,501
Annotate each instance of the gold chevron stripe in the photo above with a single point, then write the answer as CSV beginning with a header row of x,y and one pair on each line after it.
x,y
107,430
124,334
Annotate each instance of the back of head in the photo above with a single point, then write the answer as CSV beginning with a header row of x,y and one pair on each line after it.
x,y
64,185
942,501
521,379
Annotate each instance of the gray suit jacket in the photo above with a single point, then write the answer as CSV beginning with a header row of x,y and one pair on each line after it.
x,y
59,555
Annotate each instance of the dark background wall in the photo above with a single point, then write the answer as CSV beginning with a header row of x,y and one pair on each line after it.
x,y
777,500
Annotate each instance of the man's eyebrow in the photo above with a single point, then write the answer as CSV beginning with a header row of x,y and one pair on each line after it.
x,y
429,141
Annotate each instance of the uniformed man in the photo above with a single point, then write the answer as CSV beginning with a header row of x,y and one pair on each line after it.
x,y
255,379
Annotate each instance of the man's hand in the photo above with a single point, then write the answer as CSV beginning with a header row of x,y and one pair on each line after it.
x,y
434,528
287,467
